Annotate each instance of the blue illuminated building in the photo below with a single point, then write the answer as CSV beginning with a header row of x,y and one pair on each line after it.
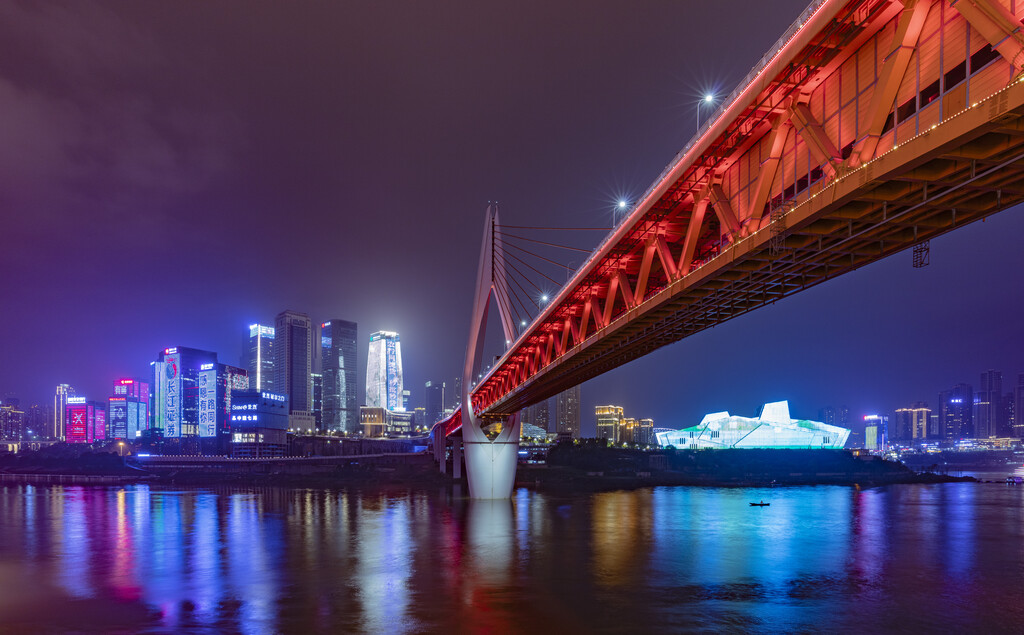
x,y
259,424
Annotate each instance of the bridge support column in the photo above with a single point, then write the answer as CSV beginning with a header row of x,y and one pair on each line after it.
x,y
457,458
491,465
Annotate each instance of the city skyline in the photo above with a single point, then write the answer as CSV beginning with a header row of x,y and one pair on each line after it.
x,y
878,338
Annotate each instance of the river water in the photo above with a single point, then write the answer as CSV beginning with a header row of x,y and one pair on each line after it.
x,y
906,558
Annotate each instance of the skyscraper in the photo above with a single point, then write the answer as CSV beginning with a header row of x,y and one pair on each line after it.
x,y
293,365
128,409
258,359
911,424
876,433
539,414
338,345
608,420
60,406
384,372
987,408
433,402
567,412
192,405
955,412
318,399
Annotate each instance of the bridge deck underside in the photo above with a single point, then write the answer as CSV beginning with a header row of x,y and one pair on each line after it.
x,y
949,188
729,241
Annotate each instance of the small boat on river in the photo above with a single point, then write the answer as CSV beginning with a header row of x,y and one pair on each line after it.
x,y
761,504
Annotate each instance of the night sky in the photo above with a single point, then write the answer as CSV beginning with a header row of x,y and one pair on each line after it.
x,y
172,172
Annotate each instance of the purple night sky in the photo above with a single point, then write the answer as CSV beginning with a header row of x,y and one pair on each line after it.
x,y
172,172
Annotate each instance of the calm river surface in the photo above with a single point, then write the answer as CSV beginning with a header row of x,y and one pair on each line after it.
x,y
906,558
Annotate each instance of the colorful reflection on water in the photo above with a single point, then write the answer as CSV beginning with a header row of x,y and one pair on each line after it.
x,y
142,559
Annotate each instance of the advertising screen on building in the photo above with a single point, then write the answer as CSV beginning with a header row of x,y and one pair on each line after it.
x,y
170,391
76,423
99,423
207,403
117,412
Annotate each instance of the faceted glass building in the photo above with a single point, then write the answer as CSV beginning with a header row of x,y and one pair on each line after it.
x,y
773,429
338,355
384,372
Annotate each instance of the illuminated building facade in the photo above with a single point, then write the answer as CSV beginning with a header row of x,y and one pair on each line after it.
x,y
128,409
293,365
60,403
193,395
380,422
567,412
259,424
956,410
773,428
609,420
12,421
987,405
911,424
258,358
317,380
876,433
384,372
338,348
85,421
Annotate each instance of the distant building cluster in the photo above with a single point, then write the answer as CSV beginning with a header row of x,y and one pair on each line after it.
x,y
294,376
563,420
961,417
617,428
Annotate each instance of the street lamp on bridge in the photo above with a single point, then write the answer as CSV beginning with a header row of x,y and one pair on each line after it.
x,y
708,99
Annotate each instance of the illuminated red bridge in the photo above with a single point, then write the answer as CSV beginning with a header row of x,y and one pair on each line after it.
x,y
869,128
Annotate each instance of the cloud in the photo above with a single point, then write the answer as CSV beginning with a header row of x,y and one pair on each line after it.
x,y
88,123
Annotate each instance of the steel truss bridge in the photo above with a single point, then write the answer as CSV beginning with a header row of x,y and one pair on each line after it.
x,y
869,128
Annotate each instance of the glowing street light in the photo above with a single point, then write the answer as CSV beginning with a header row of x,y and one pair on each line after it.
x,y
622,204
544,298
708,99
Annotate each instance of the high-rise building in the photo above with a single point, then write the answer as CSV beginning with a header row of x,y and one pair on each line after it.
x,y
433,401
911,424
12,421
384,372
876,433
539,414
259,424
955,412
338,345
567,412
645,432
987,406
128,409
258,359
293,366
193,392
318,399
85,421
609,419
454,396
1009,416
60,405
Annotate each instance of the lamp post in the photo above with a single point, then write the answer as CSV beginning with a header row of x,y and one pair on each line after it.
x,y
708,99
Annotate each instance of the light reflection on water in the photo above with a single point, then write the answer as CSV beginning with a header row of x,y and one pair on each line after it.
x,y
141,559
